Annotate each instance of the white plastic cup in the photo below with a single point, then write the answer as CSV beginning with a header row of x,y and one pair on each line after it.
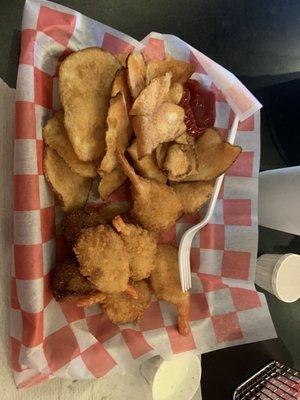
x,y
175,379
279,199
280,275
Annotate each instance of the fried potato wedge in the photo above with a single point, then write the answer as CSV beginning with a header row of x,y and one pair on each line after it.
x,y
147,165
85,79
193,195
153,96
55,136
175,93
136,73
214,156
118,132
110,182
163,126
120,86
180,161
181,70
71,188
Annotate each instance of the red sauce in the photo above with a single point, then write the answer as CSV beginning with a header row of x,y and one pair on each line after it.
x,y
199,106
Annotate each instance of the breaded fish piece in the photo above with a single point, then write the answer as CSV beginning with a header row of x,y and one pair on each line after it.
x,y
156,207
87,217
85,79
121,308
110,182
141,247
71,188
165,283
55,136
103,258
68,284
193,195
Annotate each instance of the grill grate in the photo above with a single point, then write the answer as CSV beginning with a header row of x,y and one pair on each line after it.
x,y
275,381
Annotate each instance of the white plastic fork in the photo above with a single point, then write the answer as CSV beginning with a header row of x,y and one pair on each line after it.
x,y
188,236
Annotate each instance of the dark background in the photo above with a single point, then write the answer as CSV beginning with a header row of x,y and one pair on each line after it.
x,y
259,41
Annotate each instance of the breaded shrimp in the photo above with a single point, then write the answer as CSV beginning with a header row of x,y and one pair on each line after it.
x,y
86,217
141,247
166,284
68,284
103,258
120,308
156,206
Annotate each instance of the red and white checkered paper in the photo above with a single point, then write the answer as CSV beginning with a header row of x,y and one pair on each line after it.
x,y
50,339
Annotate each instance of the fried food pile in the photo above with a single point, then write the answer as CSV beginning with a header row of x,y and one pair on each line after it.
x,y
126,120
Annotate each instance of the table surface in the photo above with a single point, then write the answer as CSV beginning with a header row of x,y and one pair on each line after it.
x,y
259,42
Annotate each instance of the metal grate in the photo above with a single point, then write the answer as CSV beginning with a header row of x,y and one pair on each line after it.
x,y
275,381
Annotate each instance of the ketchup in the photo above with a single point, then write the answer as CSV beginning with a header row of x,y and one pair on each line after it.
x,y
199,106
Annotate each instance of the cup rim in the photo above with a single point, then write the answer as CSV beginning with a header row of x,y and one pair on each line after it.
x,y
279,264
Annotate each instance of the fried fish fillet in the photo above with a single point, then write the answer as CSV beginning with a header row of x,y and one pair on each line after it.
x,y
55,136
85,79
110,182
71,188
165,283
193,195
87,217
103,258
141,247
121,308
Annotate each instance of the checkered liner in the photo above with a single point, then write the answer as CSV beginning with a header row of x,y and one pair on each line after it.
x,y
50,339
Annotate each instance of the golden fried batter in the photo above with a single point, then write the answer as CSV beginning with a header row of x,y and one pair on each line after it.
x,y
141,247
68,284
156,206
193,195
120,308
165,283
87,217
103,258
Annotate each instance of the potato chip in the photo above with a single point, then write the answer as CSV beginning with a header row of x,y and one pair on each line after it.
x,y
175,93
85,79
118,132
180,161
120,86
110,182
147,166
162,126
181,70
150,98
214,156
55,136
185,138
71,188
122,58
136,73
161,154
193,195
